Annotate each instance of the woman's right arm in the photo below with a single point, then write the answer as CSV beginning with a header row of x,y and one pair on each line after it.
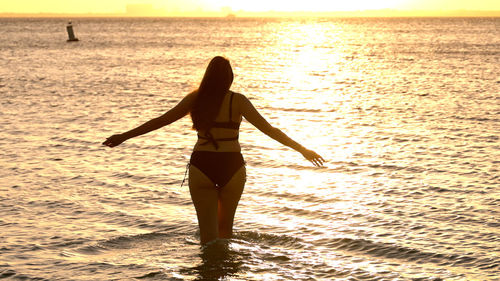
x,y
253,116
174,114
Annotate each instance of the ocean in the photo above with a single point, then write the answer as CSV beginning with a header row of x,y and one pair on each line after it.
x,y
405,110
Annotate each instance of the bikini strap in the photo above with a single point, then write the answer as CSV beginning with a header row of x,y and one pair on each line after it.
x,y
185,173
210,139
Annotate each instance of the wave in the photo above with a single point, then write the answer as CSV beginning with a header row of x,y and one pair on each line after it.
x,y
289,109
152,239
479,119
298,197
392,251
348,165
68,140
6,273
155,275
238,257
270,239
397,170
12,274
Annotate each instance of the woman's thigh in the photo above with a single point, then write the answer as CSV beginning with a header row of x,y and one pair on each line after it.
x,y
230,194
205,199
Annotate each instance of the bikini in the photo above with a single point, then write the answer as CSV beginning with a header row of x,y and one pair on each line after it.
x,y
219,167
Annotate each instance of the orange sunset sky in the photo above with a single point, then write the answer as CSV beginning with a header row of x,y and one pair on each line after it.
x,y
205,7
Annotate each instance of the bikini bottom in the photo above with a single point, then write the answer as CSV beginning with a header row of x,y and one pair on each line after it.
x,y
219,167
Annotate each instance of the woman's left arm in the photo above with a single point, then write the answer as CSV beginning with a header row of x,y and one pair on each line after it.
x,y
174,114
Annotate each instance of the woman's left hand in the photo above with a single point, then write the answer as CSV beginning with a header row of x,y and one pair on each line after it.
x,y
313,157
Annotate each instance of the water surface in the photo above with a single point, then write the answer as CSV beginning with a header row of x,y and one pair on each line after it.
x,y
405,110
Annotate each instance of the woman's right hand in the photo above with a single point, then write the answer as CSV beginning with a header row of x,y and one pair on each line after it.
x,y
313,157
114,140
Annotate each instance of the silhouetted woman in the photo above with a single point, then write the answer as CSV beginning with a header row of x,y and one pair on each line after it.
x,y
217,172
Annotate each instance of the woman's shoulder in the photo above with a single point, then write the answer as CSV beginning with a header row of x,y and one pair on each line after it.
x,y
241,102
192,95
238,96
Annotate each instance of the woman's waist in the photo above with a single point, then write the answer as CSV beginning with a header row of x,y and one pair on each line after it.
x,y
218,137
227,146
209,152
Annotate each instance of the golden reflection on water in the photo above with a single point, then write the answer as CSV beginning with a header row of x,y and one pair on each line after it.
x,y
306,54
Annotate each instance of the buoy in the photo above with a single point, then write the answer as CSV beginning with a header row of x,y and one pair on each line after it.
x,y
71,34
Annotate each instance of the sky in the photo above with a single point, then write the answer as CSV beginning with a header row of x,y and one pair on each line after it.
x,y
119,6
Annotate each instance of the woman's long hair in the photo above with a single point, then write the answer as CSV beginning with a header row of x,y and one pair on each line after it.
x,y
213,87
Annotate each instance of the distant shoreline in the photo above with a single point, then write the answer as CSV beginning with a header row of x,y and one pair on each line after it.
x,y
387,13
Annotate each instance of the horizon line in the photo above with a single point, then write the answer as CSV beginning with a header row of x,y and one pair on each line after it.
x,y
274,14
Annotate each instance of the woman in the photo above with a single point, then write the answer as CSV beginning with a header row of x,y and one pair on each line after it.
x,y
217,172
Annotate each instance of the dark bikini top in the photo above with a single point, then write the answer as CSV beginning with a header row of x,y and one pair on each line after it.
x,y
228,125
